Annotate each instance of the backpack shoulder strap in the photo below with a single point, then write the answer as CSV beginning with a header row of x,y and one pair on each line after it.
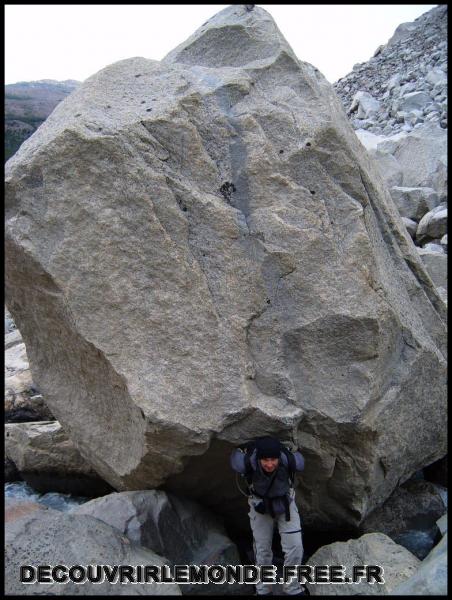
x,y
291,463
249,449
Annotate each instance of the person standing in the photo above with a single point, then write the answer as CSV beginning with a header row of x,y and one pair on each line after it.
x,y
270,470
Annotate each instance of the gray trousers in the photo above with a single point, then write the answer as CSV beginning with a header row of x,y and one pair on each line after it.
x,y
290,532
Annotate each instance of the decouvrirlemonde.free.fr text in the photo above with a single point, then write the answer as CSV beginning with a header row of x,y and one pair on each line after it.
x,y
200,574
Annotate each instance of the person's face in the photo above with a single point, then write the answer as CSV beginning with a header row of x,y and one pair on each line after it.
x,y
269,464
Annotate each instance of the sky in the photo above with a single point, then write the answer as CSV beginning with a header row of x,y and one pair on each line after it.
x,y
74,41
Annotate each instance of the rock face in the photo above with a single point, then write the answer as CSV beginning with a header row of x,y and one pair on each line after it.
x,y
407,78
75,540
221,260
430,579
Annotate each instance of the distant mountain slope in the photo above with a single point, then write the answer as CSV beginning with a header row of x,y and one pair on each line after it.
x,y
27,105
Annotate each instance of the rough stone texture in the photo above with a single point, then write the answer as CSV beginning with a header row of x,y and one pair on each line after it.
x,y
421,156
414,203
48,461
179,529
433,225
409,517
53,538
436,265
364,105
388,168
221,260
430,578
370,549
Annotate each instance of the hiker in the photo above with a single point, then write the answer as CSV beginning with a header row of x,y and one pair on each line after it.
x,y
270,468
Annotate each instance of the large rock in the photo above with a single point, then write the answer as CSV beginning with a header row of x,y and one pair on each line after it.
x,y
179,529
221,260
370,549
48,461
433,224
364,104
430,579
409,517
422,156
49,537
414,203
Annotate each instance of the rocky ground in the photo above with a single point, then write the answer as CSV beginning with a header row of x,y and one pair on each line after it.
x,y
405,83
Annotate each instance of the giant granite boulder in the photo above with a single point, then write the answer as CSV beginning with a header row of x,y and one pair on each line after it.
x,y
198,251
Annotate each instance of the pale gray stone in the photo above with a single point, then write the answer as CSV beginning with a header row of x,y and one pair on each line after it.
x,y
430,579
436,264
370,549
442,524
388,168
369,140
436,76
414,203
433,224
422,157
50,537
364,104
218,243
413,101
433,247
410,225
444,241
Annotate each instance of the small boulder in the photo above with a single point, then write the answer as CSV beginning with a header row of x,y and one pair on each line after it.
x,y
414,202
413,101
433,224
364,104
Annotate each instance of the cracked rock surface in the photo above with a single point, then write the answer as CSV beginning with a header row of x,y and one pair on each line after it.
x,y
198,251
